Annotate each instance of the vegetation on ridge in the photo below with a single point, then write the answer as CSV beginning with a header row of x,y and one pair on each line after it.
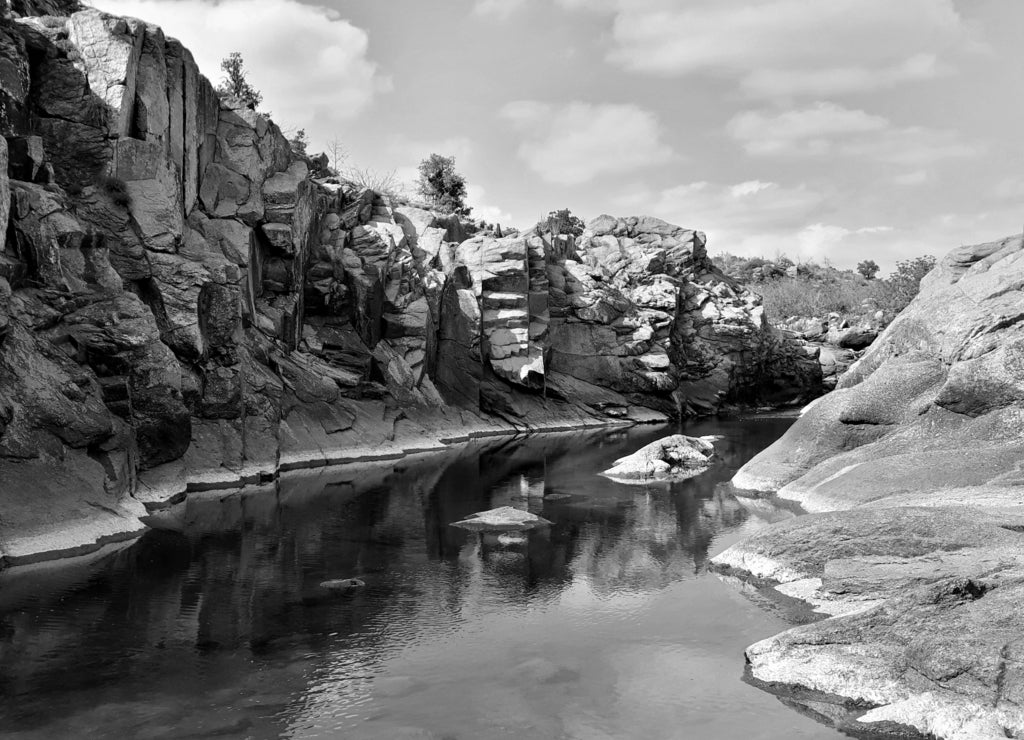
x,y
442,186
810,290
235,82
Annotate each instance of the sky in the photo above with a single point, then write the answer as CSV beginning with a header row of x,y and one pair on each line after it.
x,y
842,130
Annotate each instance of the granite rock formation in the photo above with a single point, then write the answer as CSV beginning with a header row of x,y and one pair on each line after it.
x,y
184,306
912,473
671,458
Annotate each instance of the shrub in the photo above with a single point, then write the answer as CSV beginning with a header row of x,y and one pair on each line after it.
x,y
235,83
562,222
868,268
440,184
905,282
299,142
383,183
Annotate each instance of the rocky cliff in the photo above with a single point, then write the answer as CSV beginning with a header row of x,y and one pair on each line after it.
x,y
912,472
183,305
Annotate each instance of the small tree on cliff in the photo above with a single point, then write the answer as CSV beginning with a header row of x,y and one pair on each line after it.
x,y
234,82
442,186
562,222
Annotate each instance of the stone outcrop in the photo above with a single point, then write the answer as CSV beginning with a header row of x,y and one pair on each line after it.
x,y
912,472
184,306
675,457
504,518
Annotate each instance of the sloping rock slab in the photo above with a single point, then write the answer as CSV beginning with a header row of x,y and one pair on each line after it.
x,y
676,457
504,518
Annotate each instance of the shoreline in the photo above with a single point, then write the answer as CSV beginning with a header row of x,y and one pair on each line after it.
x,y
84,538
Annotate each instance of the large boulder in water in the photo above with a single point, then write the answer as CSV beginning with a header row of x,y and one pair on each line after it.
x,y
914,469
672,458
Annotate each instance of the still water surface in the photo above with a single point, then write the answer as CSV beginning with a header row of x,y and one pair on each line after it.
x,y
605,626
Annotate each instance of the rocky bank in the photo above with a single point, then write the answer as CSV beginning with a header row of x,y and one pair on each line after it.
x,y
912,474
186,305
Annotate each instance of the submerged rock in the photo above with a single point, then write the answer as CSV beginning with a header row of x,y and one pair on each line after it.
x,y
342,585
502,518
673,458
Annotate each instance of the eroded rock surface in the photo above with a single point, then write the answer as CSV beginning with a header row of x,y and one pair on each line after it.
x,y
913,471
183,306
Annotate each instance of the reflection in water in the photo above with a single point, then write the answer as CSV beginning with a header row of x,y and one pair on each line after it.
x,y
603,625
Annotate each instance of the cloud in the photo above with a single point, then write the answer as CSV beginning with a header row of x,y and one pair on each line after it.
x,y
476,197
827,129
311,64
411,151
725,212
917,177
841,80
811,130
497,9
573,143
820,241
787,47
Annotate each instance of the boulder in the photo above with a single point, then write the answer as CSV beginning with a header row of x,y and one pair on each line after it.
x,y
342,585
501,519
676,457
856,339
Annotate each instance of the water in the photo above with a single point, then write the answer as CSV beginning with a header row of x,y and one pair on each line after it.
x,y
607,626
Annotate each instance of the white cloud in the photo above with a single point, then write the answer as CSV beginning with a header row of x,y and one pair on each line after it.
x,y
750,187
917,177
409,151
757,218
311,64
819,241
476,197
827,129
810,130
786,47
840,80
497,9
727,212
573,143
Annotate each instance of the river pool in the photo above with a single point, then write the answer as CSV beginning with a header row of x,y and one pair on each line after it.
x,y
606,625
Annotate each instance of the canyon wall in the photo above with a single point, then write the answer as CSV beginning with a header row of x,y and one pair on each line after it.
x,y
186,304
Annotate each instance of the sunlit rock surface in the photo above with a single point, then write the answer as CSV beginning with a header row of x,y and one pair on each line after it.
x,y
500,519
673,458
912,470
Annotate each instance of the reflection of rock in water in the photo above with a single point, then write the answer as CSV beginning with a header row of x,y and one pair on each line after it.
x,y
236,586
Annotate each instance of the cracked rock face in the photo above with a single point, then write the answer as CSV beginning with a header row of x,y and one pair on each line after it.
x,y
184,306
912,470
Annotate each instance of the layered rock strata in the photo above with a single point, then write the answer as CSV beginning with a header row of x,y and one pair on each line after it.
x,y
184,306
912,472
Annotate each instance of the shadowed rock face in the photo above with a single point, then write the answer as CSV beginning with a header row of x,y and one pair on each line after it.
x,y
183,305
914,469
